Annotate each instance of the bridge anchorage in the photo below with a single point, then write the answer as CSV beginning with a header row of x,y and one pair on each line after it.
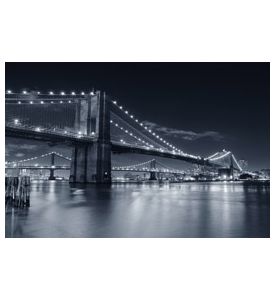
x,y
95,126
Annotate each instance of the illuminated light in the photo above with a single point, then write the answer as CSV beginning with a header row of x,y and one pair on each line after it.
x,y
16,121
62,93
141,124
73,93
145,127
79,132
82,93
114,102
121,107
70,101
37,129
92,93
31,102
51,93
52,167
9,91
38,93
42,102
126,112
61,102
92,133
65,131
51,101
137,120
150,130
24,92
19,102
111,121
131,116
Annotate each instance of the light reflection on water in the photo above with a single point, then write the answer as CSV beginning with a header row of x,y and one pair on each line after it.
x,y
136,210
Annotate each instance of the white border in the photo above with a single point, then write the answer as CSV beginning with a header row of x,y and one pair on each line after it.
x,y
136,31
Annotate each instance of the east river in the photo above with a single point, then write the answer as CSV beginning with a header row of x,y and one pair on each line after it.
x,y
195,210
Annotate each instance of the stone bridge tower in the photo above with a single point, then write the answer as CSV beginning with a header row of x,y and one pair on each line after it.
x,y
91,162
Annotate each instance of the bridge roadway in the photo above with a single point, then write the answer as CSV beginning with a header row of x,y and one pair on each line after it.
x,y
59,136
115,169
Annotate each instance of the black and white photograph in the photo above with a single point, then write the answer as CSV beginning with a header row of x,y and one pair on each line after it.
x,y
137,150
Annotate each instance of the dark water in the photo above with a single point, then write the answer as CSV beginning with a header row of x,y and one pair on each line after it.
x,y
136,210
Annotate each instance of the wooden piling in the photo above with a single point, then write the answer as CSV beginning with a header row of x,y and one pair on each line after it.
x,y
17,191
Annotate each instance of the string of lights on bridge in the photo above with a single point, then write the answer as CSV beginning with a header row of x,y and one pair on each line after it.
x,y
62,93
51,93
213,155
114,168
134,166
220,157
234,158
155,135
148,146
131,135
37,157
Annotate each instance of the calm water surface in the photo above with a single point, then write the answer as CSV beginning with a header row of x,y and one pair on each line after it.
x,y
142,210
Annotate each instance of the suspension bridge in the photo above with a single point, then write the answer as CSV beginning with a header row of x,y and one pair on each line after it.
x,y
95,125
152,166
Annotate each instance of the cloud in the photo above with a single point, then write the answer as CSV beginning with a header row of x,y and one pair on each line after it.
x,y
183,134
16,147
27,147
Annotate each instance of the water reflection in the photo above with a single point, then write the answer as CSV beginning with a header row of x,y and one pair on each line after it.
x,y
134,210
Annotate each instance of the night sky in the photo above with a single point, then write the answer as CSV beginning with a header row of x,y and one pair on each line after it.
x,y
205,107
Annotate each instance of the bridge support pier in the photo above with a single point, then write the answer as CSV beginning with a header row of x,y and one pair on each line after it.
x,y
51,177
91,163
153,175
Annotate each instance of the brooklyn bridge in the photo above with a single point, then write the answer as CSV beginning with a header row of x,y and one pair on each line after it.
x,y
95,125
